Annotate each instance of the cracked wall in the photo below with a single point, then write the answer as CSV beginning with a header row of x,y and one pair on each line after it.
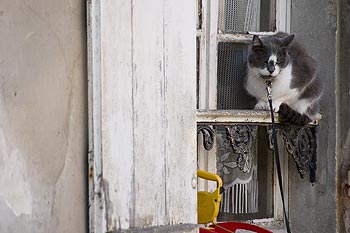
x,y
43,131
343,115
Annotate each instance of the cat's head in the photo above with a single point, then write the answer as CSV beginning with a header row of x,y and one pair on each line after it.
x,y
269,55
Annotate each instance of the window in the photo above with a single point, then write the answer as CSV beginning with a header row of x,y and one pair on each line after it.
x,y
240,153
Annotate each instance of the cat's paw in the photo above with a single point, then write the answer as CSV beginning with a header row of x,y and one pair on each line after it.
x,y
318,117
276,106
261,105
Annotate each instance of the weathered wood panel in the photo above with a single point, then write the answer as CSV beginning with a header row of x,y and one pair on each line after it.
x,y
117,113
94,112
180,113
149,131
143,144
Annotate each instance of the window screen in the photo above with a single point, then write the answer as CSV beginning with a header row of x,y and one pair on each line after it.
x,y
232,58
239,16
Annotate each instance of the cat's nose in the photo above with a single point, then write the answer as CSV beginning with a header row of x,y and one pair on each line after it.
x,y
271,69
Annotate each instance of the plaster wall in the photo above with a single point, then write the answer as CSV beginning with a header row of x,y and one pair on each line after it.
x,y
43,130
312,208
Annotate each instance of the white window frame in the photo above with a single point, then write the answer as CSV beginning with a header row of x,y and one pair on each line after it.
x,y
209,37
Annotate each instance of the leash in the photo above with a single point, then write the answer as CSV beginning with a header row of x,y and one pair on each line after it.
x,y
276,153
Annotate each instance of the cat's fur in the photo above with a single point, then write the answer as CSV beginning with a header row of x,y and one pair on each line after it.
x,y
292,72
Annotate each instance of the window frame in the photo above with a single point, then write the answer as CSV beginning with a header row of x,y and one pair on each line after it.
x,y
209,37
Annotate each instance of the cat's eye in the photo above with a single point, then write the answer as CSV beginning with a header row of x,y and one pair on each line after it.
x,y
279,62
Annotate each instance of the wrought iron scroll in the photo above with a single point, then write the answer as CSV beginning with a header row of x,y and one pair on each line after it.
x,y
241,138
301,143
208,136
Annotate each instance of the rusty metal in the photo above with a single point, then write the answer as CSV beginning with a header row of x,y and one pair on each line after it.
x,y
301,143
208,136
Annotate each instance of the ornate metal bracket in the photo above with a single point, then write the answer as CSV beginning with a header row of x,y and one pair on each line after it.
x,y
301,143
208,136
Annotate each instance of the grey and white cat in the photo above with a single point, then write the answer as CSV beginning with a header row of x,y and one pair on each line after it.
x,y
295,84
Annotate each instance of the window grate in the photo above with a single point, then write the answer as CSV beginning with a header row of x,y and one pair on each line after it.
x,y
239,16
232,58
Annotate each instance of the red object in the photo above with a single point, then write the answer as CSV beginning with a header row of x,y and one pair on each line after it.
x,y
225,227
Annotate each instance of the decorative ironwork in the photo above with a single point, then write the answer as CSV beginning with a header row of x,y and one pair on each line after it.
x,y
301,143
241,138
208,136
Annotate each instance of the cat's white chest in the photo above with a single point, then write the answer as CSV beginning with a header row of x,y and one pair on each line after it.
x,y
281,91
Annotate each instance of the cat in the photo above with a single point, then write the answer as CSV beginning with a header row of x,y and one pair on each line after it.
x,y
296,89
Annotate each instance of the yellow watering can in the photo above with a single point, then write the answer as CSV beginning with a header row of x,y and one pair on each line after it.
x,y
208,202
208,209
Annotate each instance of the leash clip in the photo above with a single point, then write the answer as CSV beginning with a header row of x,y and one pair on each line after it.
x,y
268,89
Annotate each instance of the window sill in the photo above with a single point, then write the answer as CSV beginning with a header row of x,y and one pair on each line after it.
x,y
227,117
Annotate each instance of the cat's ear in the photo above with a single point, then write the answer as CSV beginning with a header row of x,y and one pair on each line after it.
x,y
256,42
287,40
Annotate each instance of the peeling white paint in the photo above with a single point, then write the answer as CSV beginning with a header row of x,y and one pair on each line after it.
x,y
14,188
142,114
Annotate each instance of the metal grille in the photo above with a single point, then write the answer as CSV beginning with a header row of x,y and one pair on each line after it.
x,y
239,15
231,94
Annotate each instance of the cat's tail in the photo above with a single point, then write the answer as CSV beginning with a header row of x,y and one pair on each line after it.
x,y
288,115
